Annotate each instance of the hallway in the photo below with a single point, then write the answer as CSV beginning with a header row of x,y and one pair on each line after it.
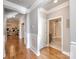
x,y
26,29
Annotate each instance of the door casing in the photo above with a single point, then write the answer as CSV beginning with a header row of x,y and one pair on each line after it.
x,y
53,18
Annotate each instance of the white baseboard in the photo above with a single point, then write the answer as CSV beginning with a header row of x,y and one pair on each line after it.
x,y
73,50
66,53
36,53
54,47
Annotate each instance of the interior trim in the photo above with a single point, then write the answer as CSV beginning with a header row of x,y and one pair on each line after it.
x,y
65,4
73,43
36,53
72,50
23,10
36,3
16,7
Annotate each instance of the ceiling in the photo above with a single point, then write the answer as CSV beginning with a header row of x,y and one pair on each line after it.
x,y
51,4
29,3
24,3
8,10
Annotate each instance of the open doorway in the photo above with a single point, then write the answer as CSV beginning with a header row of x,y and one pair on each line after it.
x,y
56,33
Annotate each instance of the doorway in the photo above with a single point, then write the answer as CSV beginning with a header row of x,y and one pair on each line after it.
x,y
56,33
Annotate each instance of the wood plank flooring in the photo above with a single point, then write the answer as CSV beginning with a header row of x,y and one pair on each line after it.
x,y
23,53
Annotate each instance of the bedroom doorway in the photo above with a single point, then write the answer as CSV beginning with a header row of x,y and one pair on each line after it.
x,y
56,33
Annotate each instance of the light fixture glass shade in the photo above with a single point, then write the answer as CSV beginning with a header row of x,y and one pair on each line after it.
x,y
55,1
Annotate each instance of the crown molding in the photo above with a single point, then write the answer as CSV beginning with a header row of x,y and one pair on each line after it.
x,y
65,4
16,7
24,10
43,10
37,2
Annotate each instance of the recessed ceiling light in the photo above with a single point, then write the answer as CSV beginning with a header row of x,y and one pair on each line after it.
x,y
55,1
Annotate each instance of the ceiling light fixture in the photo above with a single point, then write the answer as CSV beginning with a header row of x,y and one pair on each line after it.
x,y
55,1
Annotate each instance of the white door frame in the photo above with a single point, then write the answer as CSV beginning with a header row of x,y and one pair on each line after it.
x,y
61,30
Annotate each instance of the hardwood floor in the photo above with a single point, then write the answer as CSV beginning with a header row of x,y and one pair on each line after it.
x,y
23,53
51,53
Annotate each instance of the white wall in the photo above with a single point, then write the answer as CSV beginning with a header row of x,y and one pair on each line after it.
x,y
42,33
27,30
37,29
64,12
73,29
33,26
73,20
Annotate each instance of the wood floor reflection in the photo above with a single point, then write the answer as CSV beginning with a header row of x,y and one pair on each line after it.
x,y
19,51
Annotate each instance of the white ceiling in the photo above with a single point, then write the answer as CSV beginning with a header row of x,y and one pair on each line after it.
x,y
51,4
28,3
7,10
24,3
